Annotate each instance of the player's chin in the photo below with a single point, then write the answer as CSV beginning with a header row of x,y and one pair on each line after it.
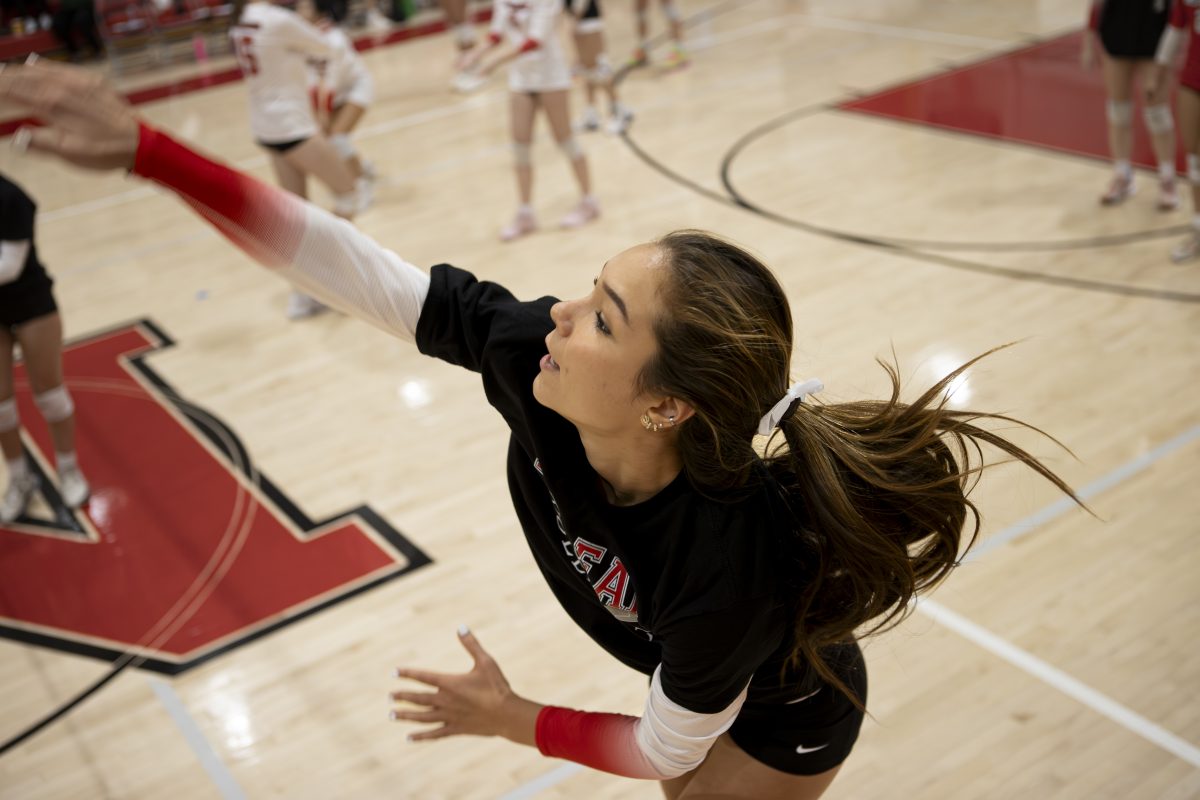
x,y
541,391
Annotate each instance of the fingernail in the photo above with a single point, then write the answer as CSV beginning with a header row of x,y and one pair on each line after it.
x,y
410,738
399,672
20,139
463,630
392,715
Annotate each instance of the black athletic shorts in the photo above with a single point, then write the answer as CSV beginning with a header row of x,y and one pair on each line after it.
x,y
26,300
282,147
1131,28
591,9
809,736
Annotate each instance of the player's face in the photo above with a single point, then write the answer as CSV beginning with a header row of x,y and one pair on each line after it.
x,y
600,343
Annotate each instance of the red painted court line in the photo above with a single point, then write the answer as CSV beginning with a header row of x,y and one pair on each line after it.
x,y
199,82
1038,95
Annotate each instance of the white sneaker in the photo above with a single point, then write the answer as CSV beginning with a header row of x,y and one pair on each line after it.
x,y
366,193
17,497
580,215
74,487
301,305
1119,190
618,123
523,224
1168,195
589,120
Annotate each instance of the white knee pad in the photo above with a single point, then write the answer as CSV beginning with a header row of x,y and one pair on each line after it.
x,y
589,25
571,147
1158,118
341,143
1120,112
55,404
346,205
600,74
9,419
1193,162
671,12
522,154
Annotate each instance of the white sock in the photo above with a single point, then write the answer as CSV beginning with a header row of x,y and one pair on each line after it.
x,y
1123,168
18,468
65,461
1166,172
525,210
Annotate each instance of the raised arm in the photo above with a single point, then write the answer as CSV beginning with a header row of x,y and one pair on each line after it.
x,y
91,126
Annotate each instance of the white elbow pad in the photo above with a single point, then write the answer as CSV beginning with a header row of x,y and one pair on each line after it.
x,y
675,740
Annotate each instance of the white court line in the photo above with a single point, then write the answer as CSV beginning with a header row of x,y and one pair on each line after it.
x,y
1130,720
557,775
916,34
221,777
1065,504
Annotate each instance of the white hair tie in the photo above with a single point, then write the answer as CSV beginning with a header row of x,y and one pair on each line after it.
x,y
779,411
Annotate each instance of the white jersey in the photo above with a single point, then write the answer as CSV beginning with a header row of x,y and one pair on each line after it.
x,y
273,46
344,76
543,68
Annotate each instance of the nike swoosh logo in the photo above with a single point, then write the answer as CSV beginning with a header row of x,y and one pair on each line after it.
x,y
802,749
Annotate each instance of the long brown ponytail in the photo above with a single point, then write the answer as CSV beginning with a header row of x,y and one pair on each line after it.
x,y
878,489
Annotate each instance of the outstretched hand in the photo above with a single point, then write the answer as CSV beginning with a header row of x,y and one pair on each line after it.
x,y
478,703
87,122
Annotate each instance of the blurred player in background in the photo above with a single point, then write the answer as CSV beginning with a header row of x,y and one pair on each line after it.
x,y
273,48
29,317
342,91
1183,27
539,76
588,32
1129,32
678,57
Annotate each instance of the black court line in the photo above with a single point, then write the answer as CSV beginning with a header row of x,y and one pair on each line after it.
x,y
914,249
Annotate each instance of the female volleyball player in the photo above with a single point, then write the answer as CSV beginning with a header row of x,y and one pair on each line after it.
x,y
29,317
735,578
539,76
273,46
597,72
678,57
1129,32
1183,24
343,91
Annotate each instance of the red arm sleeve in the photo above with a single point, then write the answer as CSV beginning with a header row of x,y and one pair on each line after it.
x,y
606,742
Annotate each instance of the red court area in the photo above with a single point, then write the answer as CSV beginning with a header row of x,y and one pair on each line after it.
x,y
185,555
1038,95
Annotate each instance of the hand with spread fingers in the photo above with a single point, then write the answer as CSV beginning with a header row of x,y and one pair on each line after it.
x,y
87,122
475,703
